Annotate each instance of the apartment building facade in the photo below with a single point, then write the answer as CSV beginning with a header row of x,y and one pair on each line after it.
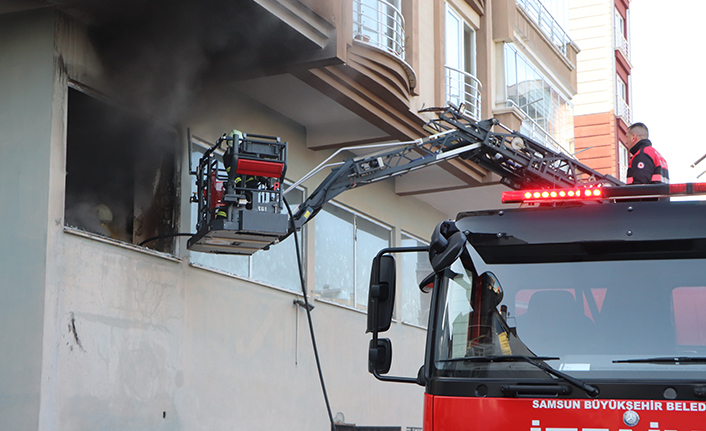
x,y
104,333
603,106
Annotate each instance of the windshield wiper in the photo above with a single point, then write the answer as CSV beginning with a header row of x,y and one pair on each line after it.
x,y
676,360
500,358
532,360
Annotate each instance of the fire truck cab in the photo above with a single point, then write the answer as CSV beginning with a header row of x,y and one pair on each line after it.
x,y
569,315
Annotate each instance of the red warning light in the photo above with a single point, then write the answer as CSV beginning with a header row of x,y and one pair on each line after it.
x,y
556,195
615,193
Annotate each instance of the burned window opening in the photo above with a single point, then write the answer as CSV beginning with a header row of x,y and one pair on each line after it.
x,y
120,174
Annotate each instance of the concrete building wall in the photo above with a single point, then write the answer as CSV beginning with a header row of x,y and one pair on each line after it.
x,y
125,338
26,91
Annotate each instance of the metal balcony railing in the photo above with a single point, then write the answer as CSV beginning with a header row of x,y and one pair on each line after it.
x,y
380,24
622,110
464,88
546,22
621,44
532,129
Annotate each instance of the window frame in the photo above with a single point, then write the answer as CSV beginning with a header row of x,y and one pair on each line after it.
x,y
464,58
401,316
356,214
623,160
557,121
146,122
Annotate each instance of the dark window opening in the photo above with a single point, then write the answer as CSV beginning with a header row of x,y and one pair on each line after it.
x,y
120,174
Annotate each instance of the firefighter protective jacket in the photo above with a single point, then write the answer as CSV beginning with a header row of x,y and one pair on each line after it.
x,y
647,166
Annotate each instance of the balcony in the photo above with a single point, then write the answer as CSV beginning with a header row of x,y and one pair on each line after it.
x,y
532,129
463,88
379,23
621,44
622,110
543,19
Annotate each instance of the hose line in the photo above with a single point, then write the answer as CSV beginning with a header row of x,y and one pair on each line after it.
x,y
308,315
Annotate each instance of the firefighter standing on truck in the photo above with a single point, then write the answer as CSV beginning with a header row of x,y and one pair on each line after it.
x,y
647,166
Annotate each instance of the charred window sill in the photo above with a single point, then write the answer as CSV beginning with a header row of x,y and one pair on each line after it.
x,y
125,245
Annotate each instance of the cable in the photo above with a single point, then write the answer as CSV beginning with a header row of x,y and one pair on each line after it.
x,y
308,315
168,235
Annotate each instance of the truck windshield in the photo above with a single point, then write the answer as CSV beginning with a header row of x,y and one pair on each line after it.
x,y
587,314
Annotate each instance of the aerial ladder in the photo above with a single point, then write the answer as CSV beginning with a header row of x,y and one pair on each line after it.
x,y
241,207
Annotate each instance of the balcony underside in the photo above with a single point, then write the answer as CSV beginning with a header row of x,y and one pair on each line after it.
x,y
373,86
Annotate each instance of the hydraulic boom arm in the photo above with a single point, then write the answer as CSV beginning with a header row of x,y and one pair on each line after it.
x,y
519,160
241,212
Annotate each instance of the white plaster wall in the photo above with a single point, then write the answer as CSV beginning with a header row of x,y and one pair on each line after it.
x,y
142,336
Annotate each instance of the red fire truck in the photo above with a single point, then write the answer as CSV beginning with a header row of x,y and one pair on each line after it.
x,y
585,311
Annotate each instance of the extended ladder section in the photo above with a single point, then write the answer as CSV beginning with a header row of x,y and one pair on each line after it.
x,y
243,217
519,160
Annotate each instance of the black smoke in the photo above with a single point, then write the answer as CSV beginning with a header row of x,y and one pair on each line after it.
x,y
160,53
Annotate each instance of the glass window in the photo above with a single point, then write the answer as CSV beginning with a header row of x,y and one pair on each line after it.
x,y
619,24
120,174
689,318
346,244
276,266
623,161
588,314
622,90
380,23
413,268
461,84
370,238
550,113
335,254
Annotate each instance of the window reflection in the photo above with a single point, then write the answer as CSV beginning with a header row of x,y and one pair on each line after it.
x,y
413,268
346,244
531,92
334,254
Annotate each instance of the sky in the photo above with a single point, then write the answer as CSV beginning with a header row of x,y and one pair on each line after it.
x,y
668,82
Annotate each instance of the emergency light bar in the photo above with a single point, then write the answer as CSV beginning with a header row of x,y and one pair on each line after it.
x,y
584,194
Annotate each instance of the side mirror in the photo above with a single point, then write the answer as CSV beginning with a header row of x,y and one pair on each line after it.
x,y
381,294
428,283
447,244
380,356
381,302
491,290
